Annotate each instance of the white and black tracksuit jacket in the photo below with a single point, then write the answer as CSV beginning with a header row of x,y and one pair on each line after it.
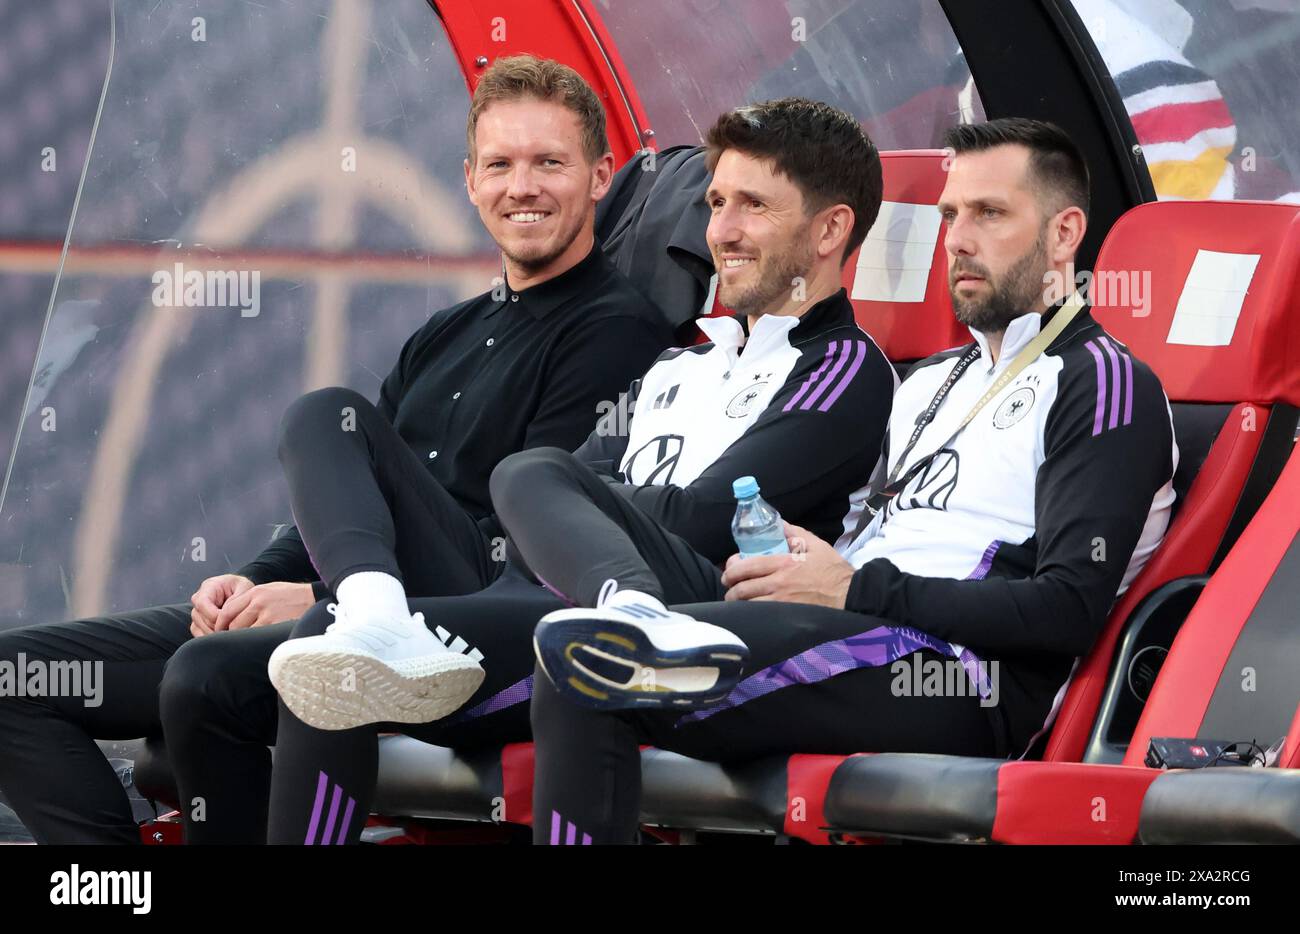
x,y
800,403
1015,540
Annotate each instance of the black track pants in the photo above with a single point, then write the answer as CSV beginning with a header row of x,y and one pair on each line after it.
x,y
821,681
575,532
364,501
51,770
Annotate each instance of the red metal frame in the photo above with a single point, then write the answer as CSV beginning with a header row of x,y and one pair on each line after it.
x,y
569,31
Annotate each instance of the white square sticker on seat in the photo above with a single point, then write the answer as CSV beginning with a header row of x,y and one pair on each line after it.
x,y
895,259
1212,297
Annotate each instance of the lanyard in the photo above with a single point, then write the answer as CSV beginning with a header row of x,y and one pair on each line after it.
x,y
896,484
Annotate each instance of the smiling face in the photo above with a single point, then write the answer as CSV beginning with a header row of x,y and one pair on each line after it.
x,y
758,234
533,186
996,237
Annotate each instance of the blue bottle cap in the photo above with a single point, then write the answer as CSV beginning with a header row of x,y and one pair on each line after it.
x,y
744,487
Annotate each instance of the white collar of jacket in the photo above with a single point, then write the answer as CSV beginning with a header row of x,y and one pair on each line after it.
x,y
773,331
1018,333
728,336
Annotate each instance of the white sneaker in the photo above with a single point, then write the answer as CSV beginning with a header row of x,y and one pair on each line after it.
x,y
632,651
390,671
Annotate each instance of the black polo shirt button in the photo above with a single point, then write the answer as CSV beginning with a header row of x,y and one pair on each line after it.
x,y
514,298
455,395
491,341
432,455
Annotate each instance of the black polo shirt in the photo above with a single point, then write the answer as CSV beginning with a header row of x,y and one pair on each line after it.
x,y
495,375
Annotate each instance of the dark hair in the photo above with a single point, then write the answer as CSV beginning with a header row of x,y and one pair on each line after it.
x,y
822,150
1057,164
520,76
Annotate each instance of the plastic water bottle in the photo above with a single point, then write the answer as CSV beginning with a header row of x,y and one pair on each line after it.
x,y
757,527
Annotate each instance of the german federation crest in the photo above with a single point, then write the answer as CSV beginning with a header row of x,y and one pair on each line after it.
x,y
1014,407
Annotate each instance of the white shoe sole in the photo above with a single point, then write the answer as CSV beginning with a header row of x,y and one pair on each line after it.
x,y
615,664
342,690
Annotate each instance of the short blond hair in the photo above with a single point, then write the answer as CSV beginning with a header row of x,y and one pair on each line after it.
x,y
520,76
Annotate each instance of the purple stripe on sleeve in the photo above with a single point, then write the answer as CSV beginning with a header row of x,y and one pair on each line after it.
x,y
1128,383
347,816
845,350
848,377
816,375
321,784
586,839
555,828
570,834
1114,400
334,813
1101,387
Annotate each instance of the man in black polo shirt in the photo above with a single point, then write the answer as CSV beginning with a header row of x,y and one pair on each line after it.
x,y
392,501
390,498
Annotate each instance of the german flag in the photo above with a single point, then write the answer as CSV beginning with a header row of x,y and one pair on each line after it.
x,y
1184,126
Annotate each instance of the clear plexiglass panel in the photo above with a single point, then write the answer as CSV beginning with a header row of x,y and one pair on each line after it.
x,y
52,60
305,158
895,64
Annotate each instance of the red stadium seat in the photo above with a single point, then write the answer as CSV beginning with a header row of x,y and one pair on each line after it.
x,y
1257,373
900,290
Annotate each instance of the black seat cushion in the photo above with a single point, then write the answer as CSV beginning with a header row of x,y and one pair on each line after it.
x,y
914,795
1223,805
